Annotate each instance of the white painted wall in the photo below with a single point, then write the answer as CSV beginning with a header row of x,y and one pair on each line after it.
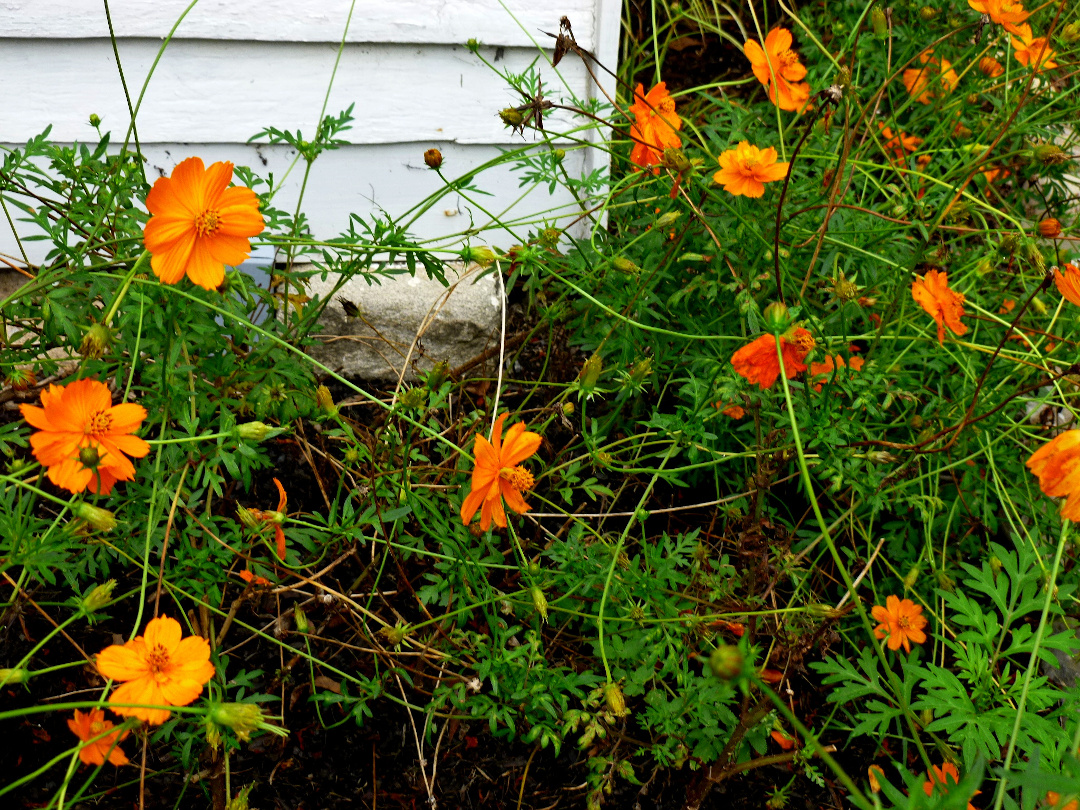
x,y
234,67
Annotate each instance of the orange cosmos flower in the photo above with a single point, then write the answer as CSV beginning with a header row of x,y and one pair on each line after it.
x,y
1057,466
1067,279
497,474
655,126
779,69
938,777
250,577
198,224
989,66
942,304
758,363
934,79
1053,799
97,751
899,144
158,669
733,411
1032,51
83,438
1007,13
830,365
900,623
745,170
276,516
783,739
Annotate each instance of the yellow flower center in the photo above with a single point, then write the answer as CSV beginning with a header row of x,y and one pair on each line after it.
x,y
667,105
904,623
207,222
158,659
96,728
99,423
787,57
518,477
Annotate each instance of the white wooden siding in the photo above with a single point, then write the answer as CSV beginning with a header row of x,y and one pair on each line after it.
x,y
236,67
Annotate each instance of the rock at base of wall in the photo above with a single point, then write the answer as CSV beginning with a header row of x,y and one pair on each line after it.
x,y
405,321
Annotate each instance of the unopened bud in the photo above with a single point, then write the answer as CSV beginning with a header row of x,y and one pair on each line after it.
x,y
1071,33
843,77
1049,154
928,12
624,265
726,662
559,155
394,635
568,409
1009,243
1038,306
95,120
433,158
325,401
591,370
415,397
511,117
9,677
254,431
300,619
243,718
823,611
944,581
1050,228
101,519
483,256
667,219
540,602
21,379
96,341
911,578
878,21
1033,254
984,268
989,66
777,318
98,597
472,44
437,376
615,700
89,457
640,372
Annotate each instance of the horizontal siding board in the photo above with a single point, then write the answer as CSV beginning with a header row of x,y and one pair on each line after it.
x,y
403,21
368,179
214,92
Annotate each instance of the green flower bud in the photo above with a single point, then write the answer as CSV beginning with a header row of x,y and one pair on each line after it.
x,y
10,677
255,431
395,635
437,376
95,120
928,13
301,620
325,401
415,397
98,597
591,370
568,408
668,219
879,22
243,718
472,44
911,578
89,457
483,256
640,372
777,318
1071,33
96,341
1050,155
726,662
560,155
624,265
540,602
101,519
615,700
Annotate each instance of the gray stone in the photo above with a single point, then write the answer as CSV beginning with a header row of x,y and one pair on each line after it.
x,y
409,322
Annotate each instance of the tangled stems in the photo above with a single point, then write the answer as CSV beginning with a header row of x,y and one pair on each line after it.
x,y
897,688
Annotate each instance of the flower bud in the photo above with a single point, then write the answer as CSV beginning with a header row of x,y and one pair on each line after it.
x,y
20,379
1033,254
989,66
549,237
777,318
615,700
984,268
394,635
433,158
415,397
667,219
879,22
472,44
823,611
568,408
439,373
325,401
10,677
944,581
255,431
300,619
1071,33
511,117
726,662
540,602
89,457
591,370
875,774
928,13
1049,154
911,578
675,159
559,155
624,265
640,372
98,597
1050,228
483,256
95,120
96,341
243,718
1008,243
248,518
1038,306
101,519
